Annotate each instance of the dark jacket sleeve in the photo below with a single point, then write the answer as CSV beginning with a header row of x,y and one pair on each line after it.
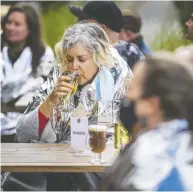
x,y
117,177
130,52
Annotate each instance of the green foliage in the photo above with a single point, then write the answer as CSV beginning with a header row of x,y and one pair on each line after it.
x,y
55,19
169,40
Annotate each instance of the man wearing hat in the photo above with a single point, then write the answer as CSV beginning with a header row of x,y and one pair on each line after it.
x,y
189,24
109,16
130,31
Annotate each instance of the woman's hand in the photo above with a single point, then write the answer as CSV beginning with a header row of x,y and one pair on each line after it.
x,y
61,89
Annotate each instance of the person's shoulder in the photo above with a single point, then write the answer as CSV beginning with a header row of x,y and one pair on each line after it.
x,y
148,145
155,159
48,51
129,52
47,61
146,50
152,145
121,45
48,55
127,47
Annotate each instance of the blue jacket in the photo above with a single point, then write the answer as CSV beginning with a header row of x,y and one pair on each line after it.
x,y
130,52
160,159
142,46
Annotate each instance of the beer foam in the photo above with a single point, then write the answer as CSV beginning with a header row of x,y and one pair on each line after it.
x,y
97,128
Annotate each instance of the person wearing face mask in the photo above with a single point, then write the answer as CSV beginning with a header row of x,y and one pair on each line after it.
x,y
129,119
161,158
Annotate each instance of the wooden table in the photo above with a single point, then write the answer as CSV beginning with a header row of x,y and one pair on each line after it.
x,y
33,157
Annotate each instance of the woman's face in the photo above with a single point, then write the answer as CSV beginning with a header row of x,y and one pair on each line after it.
x,y
79,58
16,29
147,109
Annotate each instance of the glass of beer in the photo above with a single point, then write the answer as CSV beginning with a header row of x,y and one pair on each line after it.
x,y
62,112
97,142
67,100
75,75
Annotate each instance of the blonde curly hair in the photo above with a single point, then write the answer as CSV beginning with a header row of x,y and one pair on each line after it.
x,y
92,37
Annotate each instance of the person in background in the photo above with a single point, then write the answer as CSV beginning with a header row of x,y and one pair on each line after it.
x,y
161,158
109,16
189,24
131,124
24,63
131,31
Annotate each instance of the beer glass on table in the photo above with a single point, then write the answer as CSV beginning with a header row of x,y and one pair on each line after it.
x,y
97,142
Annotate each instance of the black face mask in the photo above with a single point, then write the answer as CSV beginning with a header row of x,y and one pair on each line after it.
x,y
128,116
